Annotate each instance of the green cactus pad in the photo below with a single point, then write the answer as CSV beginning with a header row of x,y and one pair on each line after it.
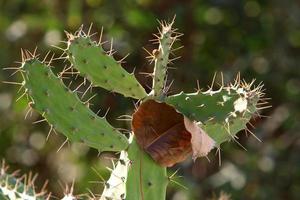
x,y
146,180
222,113
101,69
65,112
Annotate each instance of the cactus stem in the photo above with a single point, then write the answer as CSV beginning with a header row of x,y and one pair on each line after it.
x,y
167,36
146,179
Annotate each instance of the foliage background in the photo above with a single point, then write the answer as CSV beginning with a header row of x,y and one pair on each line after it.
x,y
260,39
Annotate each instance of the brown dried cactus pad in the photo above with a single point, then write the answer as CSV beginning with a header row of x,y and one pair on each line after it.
x,y
160,131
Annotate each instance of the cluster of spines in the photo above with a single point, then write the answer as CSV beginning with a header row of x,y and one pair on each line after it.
x,y
23,188
15,187
194,104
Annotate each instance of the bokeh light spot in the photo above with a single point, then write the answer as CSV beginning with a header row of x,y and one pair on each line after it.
x,y
37,140
5,101
260,65
266,164
252,9
16,30
213,16
52,37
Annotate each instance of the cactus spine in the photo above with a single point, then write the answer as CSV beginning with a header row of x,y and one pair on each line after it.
x,y
215,116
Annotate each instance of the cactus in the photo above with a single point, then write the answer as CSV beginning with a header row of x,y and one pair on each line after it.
x,y
65,112
222,113
146,179
165,129
167,36
13,187
89,58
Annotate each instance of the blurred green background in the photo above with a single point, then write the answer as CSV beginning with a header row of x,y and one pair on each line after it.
x,y
260,39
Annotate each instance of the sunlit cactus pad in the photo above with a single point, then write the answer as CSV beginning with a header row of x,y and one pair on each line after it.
x,y
221,113
99,66
65,112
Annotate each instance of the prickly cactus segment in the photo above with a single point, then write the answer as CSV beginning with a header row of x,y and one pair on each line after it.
x,y
102,69
115,187
65,112
146,180
161,57
221,114
13,188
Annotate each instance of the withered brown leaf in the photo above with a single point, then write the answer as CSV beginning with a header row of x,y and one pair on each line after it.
x,y
161,132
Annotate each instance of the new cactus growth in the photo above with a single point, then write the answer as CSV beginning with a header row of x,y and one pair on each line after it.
x,y
165,129
167,36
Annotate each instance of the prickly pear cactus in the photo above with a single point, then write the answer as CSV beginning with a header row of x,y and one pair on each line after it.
x,y
13,187
99,67
166,129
